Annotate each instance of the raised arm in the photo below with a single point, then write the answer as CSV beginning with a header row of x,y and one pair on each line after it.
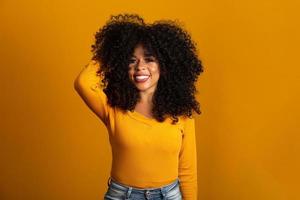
x,y
87,85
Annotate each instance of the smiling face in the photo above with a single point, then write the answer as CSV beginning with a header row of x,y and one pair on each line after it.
x,y
143,70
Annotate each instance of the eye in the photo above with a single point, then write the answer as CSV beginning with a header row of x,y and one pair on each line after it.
x,y
150,59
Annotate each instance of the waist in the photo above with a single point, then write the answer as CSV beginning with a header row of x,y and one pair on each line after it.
x,y
120,186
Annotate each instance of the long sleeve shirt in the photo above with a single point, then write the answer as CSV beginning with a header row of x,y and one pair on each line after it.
x,y
147,153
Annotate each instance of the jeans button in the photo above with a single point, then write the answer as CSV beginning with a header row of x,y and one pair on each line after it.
x,y
147,194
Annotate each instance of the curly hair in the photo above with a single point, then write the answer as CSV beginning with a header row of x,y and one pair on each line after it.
x,y
169,43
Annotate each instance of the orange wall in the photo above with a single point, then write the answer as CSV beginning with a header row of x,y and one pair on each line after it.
x,y
53,147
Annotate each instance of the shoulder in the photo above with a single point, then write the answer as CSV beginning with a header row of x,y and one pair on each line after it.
x,y
188,123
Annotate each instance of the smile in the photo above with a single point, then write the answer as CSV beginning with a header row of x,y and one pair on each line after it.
x,y
141,79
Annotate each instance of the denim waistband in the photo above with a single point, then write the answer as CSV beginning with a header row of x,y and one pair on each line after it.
x,y
112,183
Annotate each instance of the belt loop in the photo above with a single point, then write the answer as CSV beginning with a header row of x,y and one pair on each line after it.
x,y
163,192
128,193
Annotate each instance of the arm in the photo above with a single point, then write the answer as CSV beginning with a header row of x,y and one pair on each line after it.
x,y
87,85
187,170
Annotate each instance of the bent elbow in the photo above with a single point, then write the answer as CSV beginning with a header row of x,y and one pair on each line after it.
x,y
76,84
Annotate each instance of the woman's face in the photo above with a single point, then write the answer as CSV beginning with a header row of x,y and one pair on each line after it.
x,y
143,70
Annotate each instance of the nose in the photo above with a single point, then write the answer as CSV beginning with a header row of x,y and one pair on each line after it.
x,y
140,65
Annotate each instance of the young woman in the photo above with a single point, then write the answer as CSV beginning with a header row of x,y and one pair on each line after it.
x,y
141,83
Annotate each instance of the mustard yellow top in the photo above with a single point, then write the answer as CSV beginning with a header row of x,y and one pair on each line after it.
x,y
147,153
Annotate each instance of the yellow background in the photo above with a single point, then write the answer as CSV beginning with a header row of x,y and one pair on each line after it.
x,y
53,147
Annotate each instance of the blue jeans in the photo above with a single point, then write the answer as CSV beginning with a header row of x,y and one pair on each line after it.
x,y
118,191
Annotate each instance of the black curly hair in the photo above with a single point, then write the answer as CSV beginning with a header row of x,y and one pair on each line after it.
x,y
169,43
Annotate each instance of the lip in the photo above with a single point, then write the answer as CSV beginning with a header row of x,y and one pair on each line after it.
x,y
141,75
141,81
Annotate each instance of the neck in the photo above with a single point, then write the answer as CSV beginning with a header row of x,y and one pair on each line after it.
x,y
146,97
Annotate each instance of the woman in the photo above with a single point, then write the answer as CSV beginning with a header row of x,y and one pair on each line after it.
x,y
140,83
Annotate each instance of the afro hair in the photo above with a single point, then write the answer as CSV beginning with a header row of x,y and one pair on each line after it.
x,y
169,43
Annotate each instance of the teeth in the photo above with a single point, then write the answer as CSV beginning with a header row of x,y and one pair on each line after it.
x,y
141,77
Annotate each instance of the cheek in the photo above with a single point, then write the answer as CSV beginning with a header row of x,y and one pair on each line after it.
x,y
155,71
130,74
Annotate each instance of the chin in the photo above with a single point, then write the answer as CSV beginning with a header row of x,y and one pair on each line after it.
x,y
142,88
